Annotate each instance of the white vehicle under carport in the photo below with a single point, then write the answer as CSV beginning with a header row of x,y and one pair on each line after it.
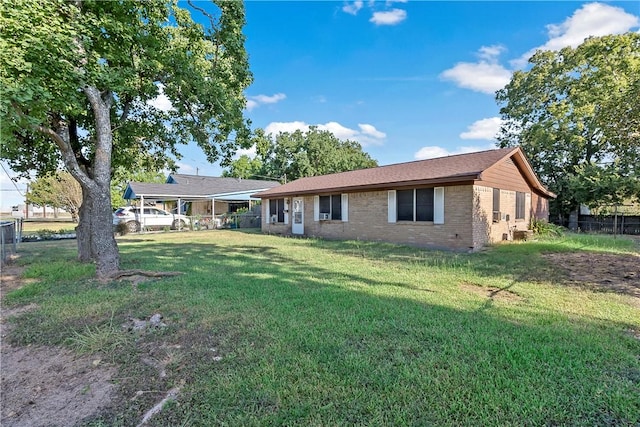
x,y
151,218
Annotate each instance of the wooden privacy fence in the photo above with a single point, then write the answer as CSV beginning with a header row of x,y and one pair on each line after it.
x,y
623,224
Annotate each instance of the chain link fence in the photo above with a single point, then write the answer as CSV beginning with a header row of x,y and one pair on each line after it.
x,y
10,232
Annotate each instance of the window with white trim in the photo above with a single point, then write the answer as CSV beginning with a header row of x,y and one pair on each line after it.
x,y
416,205
520,205
331,207
276,210
497,215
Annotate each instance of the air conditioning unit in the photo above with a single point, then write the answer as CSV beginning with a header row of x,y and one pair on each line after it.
x,y
274,218
325,216
497,216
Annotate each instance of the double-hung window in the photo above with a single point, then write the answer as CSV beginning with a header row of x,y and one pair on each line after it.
x,y
415,204
520,205
420,204
276,210
331,207
497,215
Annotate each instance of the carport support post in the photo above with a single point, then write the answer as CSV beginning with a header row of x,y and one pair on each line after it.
x,y
213,213
142,225
179,212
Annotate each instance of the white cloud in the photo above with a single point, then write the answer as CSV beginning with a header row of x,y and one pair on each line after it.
x,y
480,76
592,19
339,131
353,8
257,100
250,152
486,75
185,168
390,17
491,53
275,128
434,151
430,152
251,104
371,131
161,102
483,129
367,134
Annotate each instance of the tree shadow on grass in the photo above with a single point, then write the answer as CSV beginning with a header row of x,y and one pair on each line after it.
x,y
384,342
305,342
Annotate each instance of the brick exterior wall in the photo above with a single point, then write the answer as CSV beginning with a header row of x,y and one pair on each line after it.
x,y
485,230
368,221
468,224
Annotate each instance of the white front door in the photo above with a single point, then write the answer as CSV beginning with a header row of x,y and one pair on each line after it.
x,y
297,225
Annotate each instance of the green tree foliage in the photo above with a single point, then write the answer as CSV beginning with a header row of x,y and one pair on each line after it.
x,y
81,81
603,186
244,167
576,114
293,155
58,190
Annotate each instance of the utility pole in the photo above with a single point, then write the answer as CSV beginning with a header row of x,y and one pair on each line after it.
x,y
26,203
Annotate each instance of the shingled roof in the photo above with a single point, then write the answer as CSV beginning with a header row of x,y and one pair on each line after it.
x,y
205,184
195,187
441,170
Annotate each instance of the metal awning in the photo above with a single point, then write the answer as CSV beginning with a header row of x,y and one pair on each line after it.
x,y
236,196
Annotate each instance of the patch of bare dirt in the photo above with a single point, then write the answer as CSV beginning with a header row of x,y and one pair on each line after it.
x,y
47,386
11,278
600,272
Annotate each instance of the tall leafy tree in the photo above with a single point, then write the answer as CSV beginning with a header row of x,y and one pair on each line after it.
x,y
244,167
293,155
58,190
82,83
576,114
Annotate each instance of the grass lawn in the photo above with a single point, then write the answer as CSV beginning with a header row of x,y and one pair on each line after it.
x,y
266,330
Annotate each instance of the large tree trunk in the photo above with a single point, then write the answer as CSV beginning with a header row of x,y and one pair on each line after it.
x,y
94,232
83,230
104,248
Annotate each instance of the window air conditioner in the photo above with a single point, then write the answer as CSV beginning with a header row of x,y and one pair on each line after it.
x,y
324,216
497,216
274,218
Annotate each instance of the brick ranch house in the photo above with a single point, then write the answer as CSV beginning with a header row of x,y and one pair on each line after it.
x,y
459,202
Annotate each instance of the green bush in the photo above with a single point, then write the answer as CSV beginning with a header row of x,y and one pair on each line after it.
x,y
545,228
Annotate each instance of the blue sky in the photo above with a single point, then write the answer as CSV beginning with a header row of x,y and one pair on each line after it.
x,y
408,80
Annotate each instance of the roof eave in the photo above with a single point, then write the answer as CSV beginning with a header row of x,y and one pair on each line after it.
x,y
378,186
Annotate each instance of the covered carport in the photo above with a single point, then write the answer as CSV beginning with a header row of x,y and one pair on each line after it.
x,y
206,203
237,197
